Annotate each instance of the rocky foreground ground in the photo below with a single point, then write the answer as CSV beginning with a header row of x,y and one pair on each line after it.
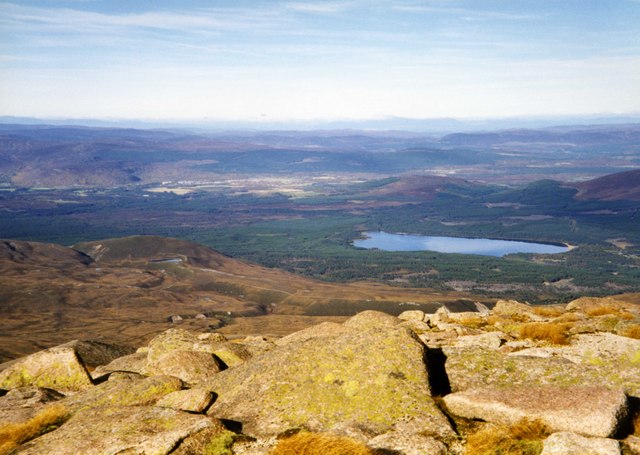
x,y
516,379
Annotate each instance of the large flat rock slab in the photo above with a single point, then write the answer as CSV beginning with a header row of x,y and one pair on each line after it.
x,y
590,411
126,392
57,368
365,378
191,367
474,367
565,443
21,404
141,430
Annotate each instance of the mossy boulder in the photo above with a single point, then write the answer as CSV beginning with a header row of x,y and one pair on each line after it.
x,y
94,353
170,340
588,410
515,308
190,366
324,329
366,379
57,368
129,429
132,363
191,400
20,404
230,354
567,443
475,367
126,392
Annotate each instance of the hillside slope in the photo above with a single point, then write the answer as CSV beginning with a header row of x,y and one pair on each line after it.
x,y
128,289
613,187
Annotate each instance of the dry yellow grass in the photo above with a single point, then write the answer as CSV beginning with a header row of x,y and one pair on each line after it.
x,y
632,331
636,423
567,317
473,321
14,434
602,310
306,443
548,312
523,438
552,332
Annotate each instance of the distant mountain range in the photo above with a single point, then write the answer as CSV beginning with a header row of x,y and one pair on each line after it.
x,y
429,125
62,156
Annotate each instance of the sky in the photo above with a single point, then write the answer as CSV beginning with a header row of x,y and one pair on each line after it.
x,y
273,60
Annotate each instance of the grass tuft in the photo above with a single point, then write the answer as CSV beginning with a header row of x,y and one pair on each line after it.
x,y
14,434
548,312
555,333
473,321
523,438
632,331
306,443
602,310
567,317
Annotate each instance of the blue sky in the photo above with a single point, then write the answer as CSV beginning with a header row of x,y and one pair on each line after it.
x,y
320,60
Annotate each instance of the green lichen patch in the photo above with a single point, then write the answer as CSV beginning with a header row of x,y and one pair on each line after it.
x,y
365,378
134,392
56,368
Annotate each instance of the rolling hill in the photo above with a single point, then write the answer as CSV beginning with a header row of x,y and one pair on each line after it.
x,y
614,187
126,290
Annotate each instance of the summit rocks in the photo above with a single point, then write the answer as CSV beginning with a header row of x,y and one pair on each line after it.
x,y
410,385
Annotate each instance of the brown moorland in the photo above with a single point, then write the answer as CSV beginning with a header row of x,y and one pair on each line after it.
x,y
126,290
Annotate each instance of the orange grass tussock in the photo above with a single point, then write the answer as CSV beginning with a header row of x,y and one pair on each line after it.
x,y
602,310
555,333
523,438
548,312
632,331
306,443
14,434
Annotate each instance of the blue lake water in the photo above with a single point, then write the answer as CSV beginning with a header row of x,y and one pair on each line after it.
x,y
487,247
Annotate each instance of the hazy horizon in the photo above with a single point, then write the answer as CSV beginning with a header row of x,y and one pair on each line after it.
x,y
312,61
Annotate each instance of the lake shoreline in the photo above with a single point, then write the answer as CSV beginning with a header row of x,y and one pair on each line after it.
x,y
397,242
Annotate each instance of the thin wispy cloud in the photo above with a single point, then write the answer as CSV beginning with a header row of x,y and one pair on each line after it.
x,y
320,7
312,58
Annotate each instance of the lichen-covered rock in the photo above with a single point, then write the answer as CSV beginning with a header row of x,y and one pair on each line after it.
x,y
132,392
132,363
412,315
191,400
57,368
368,378
515,308
631,445
94,353
592,349
20,404
231,354
257,345
565,443
407,440
117,430
191,367
588,303
472,368
324,329
587,410
170,340
370,319
491,341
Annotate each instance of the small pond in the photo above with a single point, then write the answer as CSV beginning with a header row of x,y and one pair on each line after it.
x,y
486,247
